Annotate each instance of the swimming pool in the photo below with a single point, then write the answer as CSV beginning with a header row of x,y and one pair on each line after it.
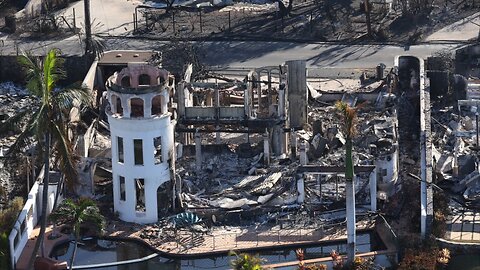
x,y
92,252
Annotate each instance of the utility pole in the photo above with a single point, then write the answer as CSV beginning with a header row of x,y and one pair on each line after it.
x,y
88,27
367,14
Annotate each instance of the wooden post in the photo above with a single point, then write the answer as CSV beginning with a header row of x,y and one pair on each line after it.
x,y
74,21
134,29
173,21
201,27
229,23
367,14
136,20
311,21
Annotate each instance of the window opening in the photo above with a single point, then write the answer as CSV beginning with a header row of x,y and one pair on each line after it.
x,y
120,149
140,190
157,143
122,188
138,151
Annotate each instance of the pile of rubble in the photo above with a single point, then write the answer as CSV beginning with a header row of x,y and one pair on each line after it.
x,y
13,99
229,180
326,141
9,88
456,153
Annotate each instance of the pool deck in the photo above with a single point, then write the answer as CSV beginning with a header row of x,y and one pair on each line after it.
x,y
218,240
49,244
464,226
221,240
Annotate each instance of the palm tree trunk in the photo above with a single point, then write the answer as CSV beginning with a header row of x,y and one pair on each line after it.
x,y
60,184
88,27
43,218
350,202
74,253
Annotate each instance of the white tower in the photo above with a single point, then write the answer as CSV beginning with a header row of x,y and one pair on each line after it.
x,y
142,134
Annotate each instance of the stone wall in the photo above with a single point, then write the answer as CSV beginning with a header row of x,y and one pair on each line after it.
x,y
11,71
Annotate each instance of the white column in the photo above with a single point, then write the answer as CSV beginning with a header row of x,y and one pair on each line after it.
x,y
301,189
130,198
293,144
351,219
303,153
373,189
198,151
423,187
147,106
126,106
165,101
266,148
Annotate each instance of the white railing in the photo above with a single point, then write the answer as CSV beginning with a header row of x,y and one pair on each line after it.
x,y
28,218
23,227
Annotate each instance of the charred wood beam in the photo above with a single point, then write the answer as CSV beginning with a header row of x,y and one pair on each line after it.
x,y
179,129
333,169
253,124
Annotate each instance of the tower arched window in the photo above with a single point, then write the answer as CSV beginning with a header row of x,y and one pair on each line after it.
x,y
136,106
160,80
126,81
157,105
144,79
117,105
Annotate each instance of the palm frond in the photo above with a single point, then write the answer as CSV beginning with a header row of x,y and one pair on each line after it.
x,y
21,142
31,129
33,71
52,70
14,122
349,115
73,96
76,213
64,213
64,151
98,46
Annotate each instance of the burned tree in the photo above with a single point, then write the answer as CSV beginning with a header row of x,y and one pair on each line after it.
x,y
349,116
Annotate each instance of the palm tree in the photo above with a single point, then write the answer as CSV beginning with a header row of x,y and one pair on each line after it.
x,y
84,211
45,123
349,115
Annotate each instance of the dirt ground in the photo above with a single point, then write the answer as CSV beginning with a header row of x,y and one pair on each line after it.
x,y
309,20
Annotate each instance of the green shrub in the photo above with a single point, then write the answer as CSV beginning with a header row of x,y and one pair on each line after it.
x,y
246,261
4,251
7,219
9,215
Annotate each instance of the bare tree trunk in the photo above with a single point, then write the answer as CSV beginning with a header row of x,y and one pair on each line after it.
x,y
43,220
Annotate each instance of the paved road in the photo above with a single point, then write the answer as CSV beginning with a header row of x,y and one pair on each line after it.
x,y
254,54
